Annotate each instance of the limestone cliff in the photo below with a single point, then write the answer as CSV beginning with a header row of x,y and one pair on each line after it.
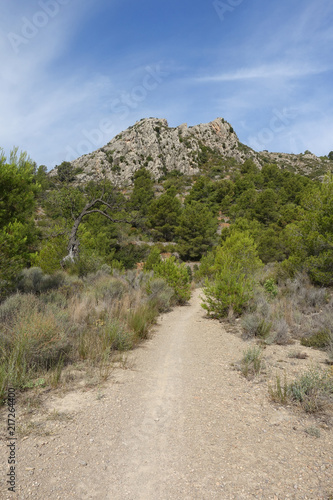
x,y
161,149
211,147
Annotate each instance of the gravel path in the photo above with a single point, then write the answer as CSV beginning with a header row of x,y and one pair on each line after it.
x,y
180,424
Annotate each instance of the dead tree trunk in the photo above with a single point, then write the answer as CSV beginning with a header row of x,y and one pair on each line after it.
x,y
73,242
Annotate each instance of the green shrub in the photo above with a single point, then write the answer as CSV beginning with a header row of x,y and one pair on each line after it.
x,y
251,363
270,287
280,392
153,259
319,340
176,277
238,252
313,390
232,287
227,291
86,264
51,254
206,268
159,293
33,280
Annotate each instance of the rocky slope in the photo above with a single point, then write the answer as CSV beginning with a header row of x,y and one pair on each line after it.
x,y
212,147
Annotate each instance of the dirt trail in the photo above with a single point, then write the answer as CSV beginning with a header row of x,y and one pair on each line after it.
x,y
180,424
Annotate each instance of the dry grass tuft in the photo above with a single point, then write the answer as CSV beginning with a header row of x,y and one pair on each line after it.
x,y
75,321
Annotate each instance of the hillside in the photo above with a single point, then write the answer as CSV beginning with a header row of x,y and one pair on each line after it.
x,y
212,148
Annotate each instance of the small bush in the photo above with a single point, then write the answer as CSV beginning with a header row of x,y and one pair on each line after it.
x,y
280,391
72,286
313,431
160,293
55,374
320,340
313,390
30,280
35,341
176,277
271,288
40,339
115,336
17,305
315,298
134,279
260,304
235,264
281,331
298,355
153,259
109,289
86,264
308,298
96,343
54,299
227,291
105,270
33,280
251,363
254,325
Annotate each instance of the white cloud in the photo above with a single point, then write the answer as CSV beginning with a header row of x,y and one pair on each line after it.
x,y
50,103
268,71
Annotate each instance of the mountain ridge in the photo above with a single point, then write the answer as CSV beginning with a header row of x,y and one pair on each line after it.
x,y
211,147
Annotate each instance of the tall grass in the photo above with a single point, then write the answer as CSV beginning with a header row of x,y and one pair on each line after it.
x,y
312,390
78,320
294,309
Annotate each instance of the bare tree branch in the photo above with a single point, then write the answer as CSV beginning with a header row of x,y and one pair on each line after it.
x,y
73,243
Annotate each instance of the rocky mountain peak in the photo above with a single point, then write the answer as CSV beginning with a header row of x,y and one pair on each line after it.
x,y
212,148
151,143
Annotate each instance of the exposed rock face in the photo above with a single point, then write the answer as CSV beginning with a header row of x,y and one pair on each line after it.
x,y
151,143
304,163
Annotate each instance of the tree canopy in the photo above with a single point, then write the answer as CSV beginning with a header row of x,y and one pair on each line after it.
x,y
18,234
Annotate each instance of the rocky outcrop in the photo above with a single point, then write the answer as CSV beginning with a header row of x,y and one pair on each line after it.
x,y
151,143
304,163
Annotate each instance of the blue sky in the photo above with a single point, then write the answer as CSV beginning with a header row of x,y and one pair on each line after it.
x,y
76,73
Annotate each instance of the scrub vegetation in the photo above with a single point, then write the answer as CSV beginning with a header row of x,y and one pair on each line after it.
x,y
86,268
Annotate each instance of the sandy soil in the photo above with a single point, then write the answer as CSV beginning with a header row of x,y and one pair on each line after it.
x,y
180,423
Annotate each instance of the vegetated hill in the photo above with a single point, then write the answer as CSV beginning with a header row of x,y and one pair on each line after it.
x,y
212,148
